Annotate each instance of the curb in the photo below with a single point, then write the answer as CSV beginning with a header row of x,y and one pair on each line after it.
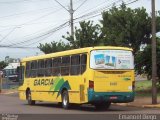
x,y
141,106
7,92
127,105
152,106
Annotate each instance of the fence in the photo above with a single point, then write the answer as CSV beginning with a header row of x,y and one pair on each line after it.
x,y
6,83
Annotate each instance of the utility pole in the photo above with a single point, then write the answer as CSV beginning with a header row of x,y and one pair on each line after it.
x,y
0,83
71,11
154,55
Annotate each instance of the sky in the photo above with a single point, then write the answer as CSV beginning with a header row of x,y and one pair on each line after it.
x,y
26,23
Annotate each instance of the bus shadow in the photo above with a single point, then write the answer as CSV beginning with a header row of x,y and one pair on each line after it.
x,y
72,107
87,107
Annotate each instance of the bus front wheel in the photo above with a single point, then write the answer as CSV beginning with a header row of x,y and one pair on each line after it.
x,y
29,99
65,99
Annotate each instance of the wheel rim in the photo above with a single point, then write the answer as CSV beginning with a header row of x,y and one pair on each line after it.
x,y
65,101
29,98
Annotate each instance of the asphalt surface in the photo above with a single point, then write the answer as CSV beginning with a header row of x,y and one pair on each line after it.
x,y
10,104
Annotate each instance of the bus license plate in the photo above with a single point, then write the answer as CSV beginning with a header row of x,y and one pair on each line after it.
x,y
113,98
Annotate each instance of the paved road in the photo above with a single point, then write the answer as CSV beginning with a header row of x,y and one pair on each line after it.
x,y
10,104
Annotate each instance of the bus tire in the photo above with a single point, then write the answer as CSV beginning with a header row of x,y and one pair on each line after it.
x,y
102,106
65,99
29,98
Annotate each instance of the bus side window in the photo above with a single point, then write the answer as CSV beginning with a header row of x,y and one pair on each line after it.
x,y
56,66
65,65
83,63
48,67
33,69
75,65
41,68
20,71
27,72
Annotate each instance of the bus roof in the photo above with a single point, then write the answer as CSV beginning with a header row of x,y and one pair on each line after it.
x,y
73,51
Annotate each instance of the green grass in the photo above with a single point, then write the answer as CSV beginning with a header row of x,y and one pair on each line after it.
x,y
144,89
143,85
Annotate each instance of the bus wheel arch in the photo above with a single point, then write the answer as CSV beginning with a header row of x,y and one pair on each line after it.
x,y
65,98
27,91
64,89
29,98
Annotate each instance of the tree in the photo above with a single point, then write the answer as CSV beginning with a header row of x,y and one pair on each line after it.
x,y
3,65
86,36
126,27
131,28
53,47
143,60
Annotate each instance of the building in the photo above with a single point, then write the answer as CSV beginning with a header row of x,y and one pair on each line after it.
x,y
10,71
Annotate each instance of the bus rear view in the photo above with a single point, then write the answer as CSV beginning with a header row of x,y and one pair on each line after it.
x,y
113,77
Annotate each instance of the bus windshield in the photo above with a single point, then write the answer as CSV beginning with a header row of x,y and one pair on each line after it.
x,y
111,59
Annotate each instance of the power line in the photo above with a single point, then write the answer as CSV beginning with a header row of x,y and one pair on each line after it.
x,y
24,24
71,12
32,23
31,34
21,47
20,1
7,34
61,5
27,23
28,40
80,5
44,29
46,36
16,14
93,7
76,1
97,12
57,30
40,17
45,15
5,29
60,27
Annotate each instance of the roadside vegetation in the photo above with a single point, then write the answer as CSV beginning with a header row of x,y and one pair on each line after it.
x,y
144,88
3,64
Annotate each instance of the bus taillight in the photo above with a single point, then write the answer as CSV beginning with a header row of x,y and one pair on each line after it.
x,y
91,84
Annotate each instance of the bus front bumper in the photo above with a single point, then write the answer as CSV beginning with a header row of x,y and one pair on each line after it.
x,y
115,97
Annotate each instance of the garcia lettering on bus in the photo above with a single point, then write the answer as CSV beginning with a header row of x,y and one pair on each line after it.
x,y
43,82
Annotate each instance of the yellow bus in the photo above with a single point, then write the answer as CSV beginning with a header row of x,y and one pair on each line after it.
x,y
94,75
